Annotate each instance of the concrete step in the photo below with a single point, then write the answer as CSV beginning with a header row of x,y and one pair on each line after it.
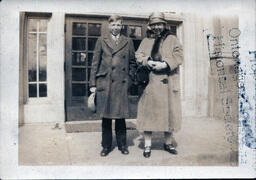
x,y
94,125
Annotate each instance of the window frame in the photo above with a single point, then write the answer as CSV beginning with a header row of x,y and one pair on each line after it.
x,y
25,16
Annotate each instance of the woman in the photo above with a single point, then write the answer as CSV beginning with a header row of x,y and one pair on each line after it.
x,y
159,107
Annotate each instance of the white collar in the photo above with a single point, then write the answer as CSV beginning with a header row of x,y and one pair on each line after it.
x,y
115,37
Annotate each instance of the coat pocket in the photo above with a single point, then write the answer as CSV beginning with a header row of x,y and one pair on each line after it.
x,y
101,74
101,81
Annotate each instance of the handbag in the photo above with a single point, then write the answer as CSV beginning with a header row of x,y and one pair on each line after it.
x,y
142,75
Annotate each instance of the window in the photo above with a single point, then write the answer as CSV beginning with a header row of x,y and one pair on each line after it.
x,y
36,40
135,32
84,38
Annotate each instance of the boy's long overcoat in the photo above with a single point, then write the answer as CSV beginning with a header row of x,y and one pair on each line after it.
x,y
159,107
112,70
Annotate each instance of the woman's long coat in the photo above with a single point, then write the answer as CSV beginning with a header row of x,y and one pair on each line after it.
x,y
112,70
159,107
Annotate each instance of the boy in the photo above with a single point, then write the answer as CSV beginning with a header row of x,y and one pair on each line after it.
x,y
113,66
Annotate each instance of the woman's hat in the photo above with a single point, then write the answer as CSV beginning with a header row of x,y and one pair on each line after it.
x,y
91,102
156,17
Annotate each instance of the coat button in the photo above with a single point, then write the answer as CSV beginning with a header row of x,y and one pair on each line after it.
x,y
112,80
123,69
124,56
123,81
165,81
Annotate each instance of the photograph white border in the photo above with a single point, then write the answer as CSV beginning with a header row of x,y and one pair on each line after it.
x,y
9,88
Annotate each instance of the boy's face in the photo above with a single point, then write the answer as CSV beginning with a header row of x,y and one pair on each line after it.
x,y
115,27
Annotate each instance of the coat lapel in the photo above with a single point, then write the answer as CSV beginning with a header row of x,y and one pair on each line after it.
x,y
108,40
122,41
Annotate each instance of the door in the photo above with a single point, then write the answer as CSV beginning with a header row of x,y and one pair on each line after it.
x,y
80,39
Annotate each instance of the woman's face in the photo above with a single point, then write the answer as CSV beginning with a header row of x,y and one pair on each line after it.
x,y
157,28
115,27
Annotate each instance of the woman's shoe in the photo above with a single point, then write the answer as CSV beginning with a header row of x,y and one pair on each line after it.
x,y
170,148
147,152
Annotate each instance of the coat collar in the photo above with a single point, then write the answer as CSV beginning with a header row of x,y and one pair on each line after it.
x,y
122,41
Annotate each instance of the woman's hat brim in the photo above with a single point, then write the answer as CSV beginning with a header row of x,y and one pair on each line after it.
x,y
156,20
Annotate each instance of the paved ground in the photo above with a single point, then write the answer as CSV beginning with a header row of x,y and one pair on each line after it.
x,y
200,142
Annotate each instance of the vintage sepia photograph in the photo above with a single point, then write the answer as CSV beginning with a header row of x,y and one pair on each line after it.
x,y
137,84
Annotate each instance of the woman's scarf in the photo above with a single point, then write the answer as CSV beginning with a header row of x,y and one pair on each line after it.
x,y
155,54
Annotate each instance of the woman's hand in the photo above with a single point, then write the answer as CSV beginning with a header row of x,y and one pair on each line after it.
x,y
151,63
158,66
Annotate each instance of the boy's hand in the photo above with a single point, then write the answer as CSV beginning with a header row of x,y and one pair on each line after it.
x,y
93,89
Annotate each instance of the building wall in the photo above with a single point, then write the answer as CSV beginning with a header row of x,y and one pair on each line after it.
x,y
196,65
225,92
51,108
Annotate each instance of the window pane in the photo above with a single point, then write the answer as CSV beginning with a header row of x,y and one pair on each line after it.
x,y
78,74
91,43
78,89
136,44
32,25
79,28
78,43
32,90
94,29
37,56
43,25
135,31
89,59
124,30
78,58
32,44
42,57
42,90
88,90
172,28
88,73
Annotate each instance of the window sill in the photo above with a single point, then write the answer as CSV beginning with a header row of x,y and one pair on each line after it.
x,y
41,100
